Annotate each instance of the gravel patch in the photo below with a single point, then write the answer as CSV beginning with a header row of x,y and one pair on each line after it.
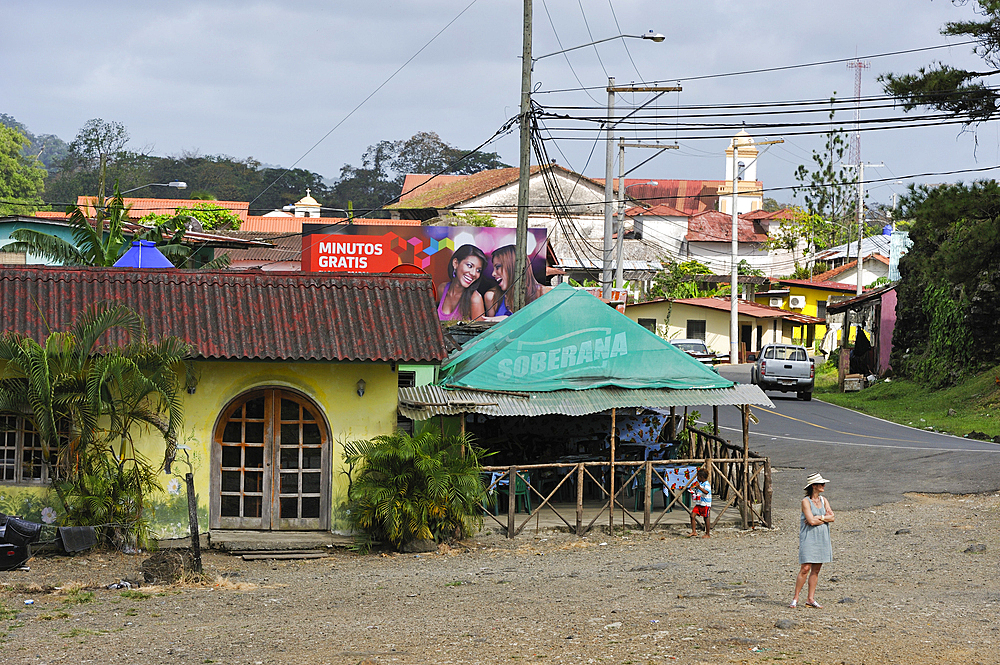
x,y
926,595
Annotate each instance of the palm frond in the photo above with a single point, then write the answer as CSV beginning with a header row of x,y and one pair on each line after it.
x,y
45,246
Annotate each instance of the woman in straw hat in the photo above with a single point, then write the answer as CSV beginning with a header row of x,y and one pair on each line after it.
x,y
815,548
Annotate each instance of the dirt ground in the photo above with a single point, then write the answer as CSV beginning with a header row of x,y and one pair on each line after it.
x,y
912,582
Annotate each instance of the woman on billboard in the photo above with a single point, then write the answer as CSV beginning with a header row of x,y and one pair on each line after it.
x,y
503,272
460,299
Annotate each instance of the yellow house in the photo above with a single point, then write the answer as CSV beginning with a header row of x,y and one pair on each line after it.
x,y
289,367
807,298
708,319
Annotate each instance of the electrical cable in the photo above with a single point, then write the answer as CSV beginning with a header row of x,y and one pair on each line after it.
x,y
365,100
799,66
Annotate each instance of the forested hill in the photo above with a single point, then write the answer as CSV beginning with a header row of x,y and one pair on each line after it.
x,y
73,169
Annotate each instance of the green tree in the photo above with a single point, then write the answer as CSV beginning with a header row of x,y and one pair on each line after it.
x,y
828,191
21,177
169,233
956,91
96,157
384,166
46,148
948,300
209,216
87,400
680,280
415,488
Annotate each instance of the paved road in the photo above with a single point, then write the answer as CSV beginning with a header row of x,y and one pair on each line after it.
x,y
867,460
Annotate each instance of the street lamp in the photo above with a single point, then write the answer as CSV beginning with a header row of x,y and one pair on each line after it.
x,y
651,36
516,298
177,184
622,195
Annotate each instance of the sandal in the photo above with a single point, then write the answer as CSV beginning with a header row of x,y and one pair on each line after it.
x,y
793,604
813,603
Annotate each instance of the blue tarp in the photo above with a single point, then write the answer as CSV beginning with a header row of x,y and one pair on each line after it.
x,y
143,254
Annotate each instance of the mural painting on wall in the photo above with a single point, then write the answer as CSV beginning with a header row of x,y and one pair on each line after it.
x,y
472,267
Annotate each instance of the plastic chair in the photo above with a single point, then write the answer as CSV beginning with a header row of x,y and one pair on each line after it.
x,y
522,494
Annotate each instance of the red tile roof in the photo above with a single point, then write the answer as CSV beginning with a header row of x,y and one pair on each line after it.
x,y
688,196
452,190
745,307
661,210
715,226
242,315
142,207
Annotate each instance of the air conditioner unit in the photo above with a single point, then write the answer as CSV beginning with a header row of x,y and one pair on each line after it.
x,y
796,302
777,302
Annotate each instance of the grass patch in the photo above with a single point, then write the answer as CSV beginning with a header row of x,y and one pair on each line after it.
x,y
136,595
973,406
6,613
78,597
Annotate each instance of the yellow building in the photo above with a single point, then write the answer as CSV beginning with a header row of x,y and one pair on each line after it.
x,y
807,298
289,367
708,319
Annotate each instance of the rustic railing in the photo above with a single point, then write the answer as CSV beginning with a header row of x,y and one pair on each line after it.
x,y
740,481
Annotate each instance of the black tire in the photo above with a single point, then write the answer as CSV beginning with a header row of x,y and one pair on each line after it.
x,y
805,397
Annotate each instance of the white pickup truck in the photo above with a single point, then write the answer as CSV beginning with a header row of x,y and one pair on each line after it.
x,y
784,367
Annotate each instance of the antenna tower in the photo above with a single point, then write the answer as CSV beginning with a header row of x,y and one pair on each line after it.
x,y
854,157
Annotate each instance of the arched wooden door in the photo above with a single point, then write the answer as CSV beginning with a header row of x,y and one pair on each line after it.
x,y
271,464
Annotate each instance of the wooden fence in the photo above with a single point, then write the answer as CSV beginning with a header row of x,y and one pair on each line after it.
x,y
741,481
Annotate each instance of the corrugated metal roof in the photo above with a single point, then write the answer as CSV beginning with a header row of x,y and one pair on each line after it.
x,y
242,315
423,402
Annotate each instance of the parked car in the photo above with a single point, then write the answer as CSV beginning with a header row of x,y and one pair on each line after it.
x,y
697,349
785,367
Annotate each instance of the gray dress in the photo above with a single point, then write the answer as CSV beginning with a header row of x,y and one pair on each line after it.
x,y
814,541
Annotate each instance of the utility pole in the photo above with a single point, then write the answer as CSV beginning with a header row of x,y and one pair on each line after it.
x,y
861,213
515,296
622,195
734,284
609,176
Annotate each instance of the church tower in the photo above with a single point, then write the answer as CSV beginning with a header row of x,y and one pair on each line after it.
x,y
743,162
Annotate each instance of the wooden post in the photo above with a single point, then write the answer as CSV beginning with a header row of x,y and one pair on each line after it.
x,y
672,427
715,420
511,499
768,491
648,494
611,493
746,465
579,499
193,522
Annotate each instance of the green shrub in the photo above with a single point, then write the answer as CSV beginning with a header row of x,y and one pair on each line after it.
x,y
414,488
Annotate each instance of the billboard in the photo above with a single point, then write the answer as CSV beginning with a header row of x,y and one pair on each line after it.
x,y
472,267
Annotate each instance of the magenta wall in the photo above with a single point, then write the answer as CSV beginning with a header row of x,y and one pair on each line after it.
x,y
886,326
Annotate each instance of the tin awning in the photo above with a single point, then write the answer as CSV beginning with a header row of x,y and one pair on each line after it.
x,y
423,402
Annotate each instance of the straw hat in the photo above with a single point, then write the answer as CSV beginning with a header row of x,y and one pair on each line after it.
x,y
815,479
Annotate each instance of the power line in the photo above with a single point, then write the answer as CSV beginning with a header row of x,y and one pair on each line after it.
x,y
781,68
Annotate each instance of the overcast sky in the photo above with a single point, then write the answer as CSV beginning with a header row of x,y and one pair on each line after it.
x,y
280,81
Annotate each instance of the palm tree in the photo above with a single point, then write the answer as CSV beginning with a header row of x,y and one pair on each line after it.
x,y
88,400
415,488
94,246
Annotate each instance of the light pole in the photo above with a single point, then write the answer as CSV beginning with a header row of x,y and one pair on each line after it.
x,y
622,195
515,299
177,184
734,316
609,171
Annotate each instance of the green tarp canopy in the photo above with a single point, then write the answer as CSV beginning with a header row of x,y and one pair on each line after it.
x,y
570,340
